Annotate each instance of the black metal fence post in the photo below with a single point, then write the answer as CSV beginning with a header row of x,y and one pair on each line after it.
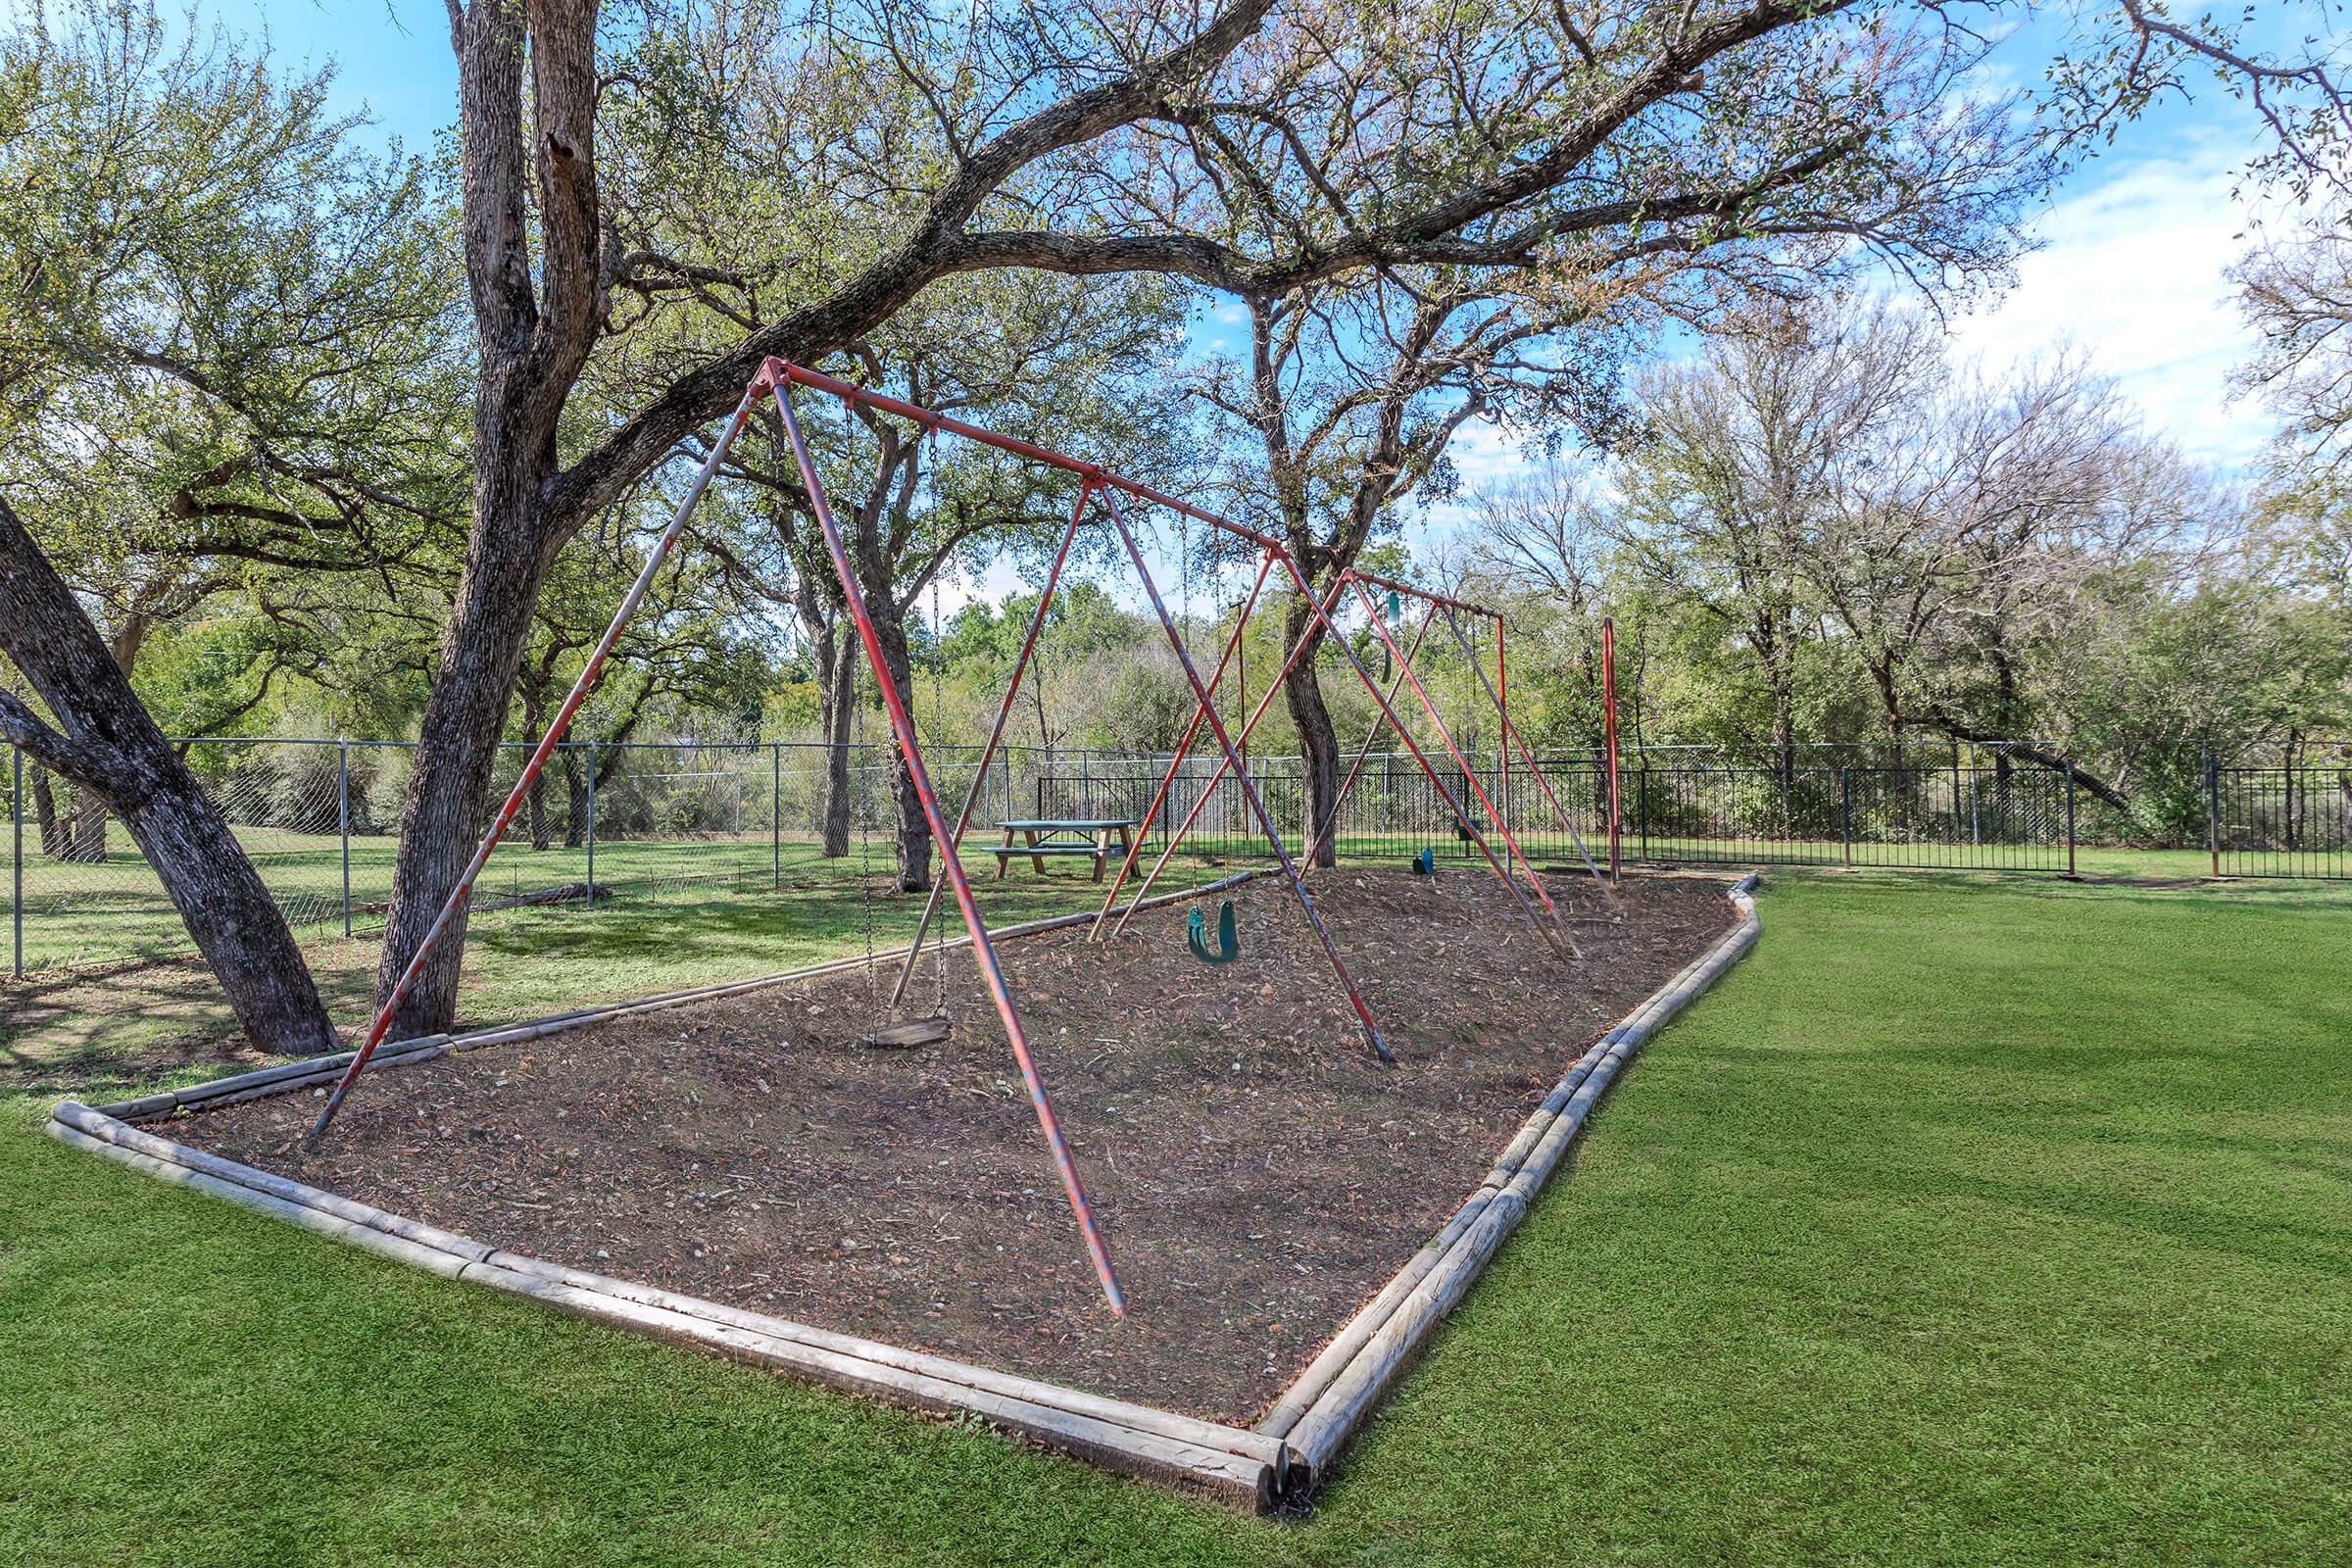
x,y
1642,805
776,812
2212,809
2070,816
16,893
590,834
1846,812
343,811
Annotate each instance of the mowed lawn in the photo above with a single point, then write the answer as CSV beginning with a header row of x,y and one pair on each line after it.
x,y
1968,1221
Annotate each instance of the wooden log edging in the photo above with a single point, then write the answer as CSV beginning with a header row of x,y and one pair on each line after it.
x,y
1328,1403
311,1071
1290,1451
1231,1464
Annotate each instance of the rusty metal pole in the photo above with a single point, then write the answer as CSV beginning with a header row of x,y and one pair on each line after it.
x,y
581,689
984,953
1502,708
1257,807
1445,735
1608,720
1405,672
1135,847
1511,733
1339,798
996,732
1200,801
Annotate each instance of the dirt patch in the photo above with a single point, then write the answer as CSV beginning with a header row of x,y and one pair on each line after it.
x,y
1256,1174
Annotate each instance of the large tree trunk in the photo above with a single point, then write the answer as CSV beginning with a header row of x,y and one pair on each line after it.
x,y
1318,738
54,842
457,745
109,747
913,834
575,798
837,695
86,835
535,324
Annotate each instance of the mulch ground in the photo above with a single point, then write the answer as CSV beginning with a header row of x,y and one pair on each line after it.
x,y
1256,1174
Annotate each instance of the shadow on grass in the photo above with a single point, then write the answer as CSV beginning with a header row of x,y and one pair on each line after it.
x,y
135,1024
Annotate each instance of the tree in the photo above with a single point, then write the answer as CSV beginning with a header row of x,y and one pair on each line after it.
x,y
1059,361
217,354
2296,294
1476,136
223,357
103,742
1831,484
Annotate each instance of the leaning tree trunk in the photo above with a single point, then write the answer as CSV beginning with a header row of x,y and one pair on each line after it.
x,y
108,746
1318,738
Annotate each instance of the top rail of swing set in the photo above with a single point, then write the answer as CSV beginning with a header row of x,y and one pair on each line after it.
x,y
785,372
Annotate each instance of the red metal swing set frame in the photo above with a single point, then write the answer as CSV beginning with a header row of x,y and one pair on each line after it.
x,y
774,379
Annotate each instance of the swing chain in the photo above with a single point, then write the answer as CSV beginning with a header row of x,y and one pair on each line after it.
x,y
939,630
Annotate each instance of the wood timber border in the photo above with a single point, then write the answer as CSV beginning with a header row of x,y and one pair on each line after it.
x,y
1281,1461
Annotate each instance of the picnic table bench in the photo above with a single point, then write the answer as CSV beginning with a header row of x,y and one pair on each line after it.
x,y
1089,836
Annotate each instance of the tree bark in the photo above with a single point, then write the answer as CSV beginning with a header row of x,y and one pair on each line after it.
x,y
525,177
837,696
86,834
108,746
44,809
1318,737
914,832
448,805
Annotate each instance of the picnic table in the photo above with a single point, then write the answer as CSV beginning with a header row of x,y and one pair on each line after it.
x,y
1089,836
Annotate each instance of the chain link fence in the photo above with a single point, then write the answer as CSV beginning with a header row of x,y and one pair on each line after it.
x,y
684,819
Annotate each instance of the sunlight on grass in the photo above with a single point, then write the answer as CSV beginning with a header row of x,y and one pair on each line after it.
x,y
1964,1223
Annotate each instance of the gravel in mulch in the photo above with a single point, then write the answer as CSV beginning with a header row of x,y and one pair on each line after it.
x,y
1256,1174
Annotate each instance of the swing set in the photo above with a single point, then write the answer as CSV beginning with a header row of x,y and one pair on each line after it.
x,y
1108,495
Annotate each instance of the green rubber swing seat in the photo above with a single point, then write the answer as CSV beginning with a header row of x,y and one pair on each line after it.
x,y
1229,946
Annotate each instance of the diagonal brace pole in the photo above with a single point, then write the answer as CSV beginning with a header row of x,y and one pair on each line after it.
x,y
995,733
1176,761
1331,817
984,953
1455,752
1201,799
1404,667
1512,735
1258,806
581,689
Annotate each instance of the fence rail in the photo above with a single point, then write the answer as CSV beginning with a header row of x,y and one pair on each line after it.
x,y
319,820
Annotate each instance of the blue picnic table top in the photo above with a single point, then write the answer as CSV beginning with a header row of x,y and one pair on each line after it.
x,y
1065,824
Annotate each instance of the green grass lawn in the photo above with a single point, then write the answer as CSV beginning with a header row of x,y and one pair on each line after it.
x,y
123,1026
1968,1221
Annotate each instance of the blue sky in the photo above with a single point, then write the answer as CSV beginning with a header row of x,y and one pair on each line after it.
x,y
2130,267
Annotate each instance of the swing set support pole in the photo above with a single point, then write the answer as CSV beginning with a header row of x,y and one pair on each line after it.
x,y
1451,749
1200,802
1257,807
1609,719
1512,736
1135,848
581,689
995,733
1331,817
772,378
1404,672
932,419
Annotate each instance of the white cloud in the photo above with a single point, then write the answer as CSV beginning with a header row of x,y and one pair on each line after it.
x,y
2131,271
